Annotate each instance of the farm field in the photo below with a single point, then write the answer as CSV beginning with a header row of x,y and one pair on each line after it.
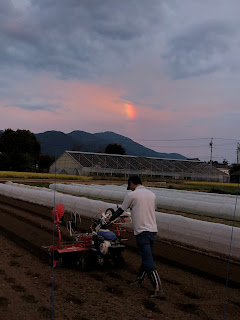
x,y
27,280
44,179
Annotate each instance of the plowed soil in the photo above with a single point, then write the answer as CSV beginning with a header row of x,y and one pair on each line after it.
x,y
31,289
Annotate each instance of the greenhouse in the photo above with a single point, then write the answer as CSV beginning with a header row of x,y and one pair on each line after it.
x,y
86,163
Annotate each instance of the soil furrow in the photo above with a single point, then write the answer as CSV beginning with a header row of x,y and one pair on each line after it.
x,y
28,284
169,253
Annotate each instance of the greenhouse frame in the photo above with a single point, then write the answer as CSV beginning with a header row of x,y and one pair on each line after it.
x,y
86,163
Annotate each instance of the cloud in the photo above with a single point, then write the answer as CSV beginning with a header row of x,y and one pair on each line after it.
x,y
199,50
88,40
77,39
143,104
36,106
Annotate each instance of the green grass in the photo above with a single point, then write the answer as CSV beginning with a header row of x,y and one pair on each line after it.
x,y
35,175
201,186
211,187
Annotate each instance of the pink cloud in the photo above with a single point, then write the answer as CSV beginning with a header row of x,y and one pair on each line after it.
x,y
80,105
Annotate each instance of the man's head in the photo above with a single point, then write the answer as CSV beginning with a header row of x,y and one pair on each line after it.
x,y
133,182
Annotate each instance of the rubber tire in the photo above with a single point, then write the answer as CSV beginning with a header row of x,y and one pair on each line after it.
x,y
118,260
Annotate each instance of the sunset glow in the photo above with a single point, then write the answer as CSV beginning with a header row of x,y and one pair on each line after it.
x,y
130,111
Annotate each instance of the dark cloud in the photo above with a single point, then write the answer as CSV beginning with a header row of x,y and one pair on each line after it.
x,y
81,39
38,106
5,8
198,50
88,39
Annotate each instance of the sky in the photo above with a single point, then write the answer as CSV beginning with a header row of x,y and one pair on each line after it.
x,y
164,73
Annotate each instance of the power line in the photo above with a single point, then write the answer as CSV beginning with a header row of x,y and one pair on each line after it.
x,y
171,139
177,146
227,139
154,140
214,148
183,139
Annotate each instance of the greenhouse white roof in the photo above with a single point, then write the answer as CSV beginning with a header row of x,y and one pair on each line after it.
x,y
127,162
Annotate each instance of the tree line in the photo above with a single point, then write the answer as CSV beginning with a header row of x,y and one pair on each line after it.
x,y
21,151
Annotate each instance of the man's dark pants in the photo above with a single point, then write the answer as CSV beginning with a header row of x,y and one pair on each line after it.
x,y
145,243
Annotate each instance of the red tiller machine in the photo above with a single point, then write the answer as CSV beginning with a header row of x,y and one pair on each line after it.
x,y
87,250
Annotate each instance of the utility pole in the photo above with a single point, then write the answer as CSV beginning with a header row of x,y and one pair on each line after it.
x,y
211,146
238,150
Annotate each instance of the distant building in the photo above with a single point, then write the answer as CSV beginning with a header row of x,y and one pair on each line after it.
x,y
86,163
195,159
222,167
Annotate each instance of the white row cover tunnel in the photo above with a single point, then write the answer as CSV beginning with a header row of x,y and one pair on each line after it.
x,y
200,203
205,236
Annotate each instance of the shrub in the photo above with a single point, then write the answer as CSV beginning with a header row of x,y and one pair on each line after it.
x,y
217,190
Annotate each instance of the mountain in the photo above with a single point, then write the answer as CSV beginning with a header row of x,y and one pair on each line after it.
x,y
56,142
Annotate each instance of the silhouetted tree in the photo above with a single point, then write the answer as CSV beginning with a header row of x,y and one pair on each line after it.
x,y
44,162
225,161
19,149
234,168
213,162
115,148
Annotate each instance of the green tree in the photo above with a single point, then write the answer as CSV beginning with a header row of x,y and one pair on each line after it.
x,y
213,162
19,149
44,162
115,148
3,161
234,168
225,162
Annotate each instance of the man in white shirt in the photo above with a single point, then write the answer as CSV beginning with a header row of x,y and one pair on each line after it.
x,y
142,205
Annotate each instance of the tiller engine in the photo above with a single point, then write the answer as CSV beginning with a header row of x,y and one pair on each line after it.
x,y
86,250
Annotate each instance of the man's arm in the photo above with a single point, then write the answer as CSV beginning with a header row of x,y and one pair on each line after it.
x,y
125,205
116,214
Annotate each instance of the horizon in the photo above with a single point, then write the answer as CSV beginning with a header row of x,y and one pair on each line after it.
x,y
189,158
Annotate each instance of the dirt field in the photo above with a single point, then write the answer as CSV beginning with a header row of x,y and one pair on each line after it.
x,y
30,289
